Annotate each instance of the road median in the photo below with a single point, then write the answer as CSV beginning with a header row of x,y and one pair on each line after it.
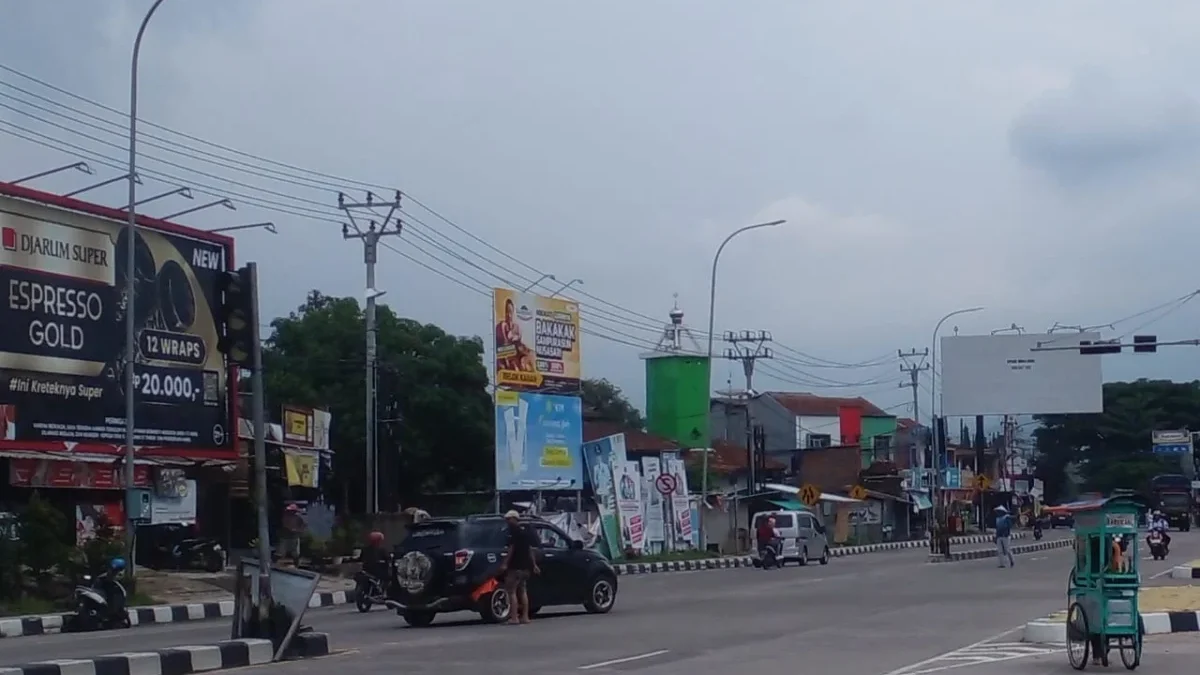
x,y
982,553
181,660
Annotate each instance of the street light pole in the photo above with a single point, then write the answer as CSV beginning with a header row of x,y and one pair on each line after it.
x,y
712,306
933,410
130,261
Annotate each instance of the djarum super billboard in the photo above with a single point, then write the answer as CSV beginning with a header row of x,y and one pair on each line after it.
x,y
63,305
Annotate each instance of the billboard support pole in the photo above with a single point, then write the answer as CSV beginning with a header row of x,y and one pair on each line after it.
x,y
260,453
370,238
130,260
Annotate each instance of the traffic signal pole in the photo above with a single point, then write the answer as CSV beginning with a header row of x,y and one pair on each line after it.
x,y
258,415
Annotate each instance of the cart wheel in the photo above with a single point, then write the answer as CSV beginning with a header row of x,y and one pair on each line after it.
x,y
1131,651
1079,641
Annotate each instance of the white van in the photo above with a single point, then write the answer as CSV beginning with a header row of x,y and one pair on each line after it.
x,y
802,534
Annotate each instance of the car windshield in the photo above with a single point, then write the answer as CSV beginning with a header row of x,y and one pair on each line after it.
x,y
1175,500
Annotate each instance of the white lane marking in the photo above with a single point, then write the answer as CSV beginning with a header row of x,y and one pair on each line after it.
x,y
975,653
626,659
1163,573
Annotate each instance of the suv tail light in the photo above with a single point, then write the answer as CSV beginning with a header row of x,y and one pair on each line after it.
x,y
462,558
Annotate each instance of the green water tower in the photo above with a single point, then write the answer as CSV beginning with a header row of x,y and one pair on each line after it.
x,y
677,386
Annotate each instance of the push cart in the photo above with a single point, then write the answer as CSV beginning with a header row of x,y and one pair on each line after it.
x,y
1102,609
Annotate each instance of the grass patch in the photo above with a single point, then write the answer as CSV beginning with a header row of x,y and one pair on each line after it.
x,y
140,599
26,606
672,556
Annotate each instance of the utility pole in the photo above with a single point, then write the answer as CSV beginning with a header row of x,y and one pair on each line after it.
x,y
748,347
370,238
913,363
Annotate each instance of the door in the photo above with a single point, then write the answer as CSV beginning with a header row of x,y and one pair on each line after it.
x,y
818,542
807,533
557,584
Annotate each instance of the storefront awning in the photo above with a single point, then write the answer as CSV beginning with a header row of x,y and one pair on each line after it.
x,y
788,504
83,457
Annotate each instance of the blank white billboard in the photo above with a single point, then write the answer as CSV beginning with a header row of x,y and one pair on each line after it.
x,y
1001,375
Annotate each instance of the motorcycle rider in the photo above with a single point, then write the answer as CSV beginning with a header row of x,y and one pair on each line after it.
x,y
1158,523
374,557
768,536
108,584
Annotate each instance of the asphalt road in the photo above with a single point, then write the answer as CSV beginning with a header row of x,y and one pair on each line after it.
x,y
866,615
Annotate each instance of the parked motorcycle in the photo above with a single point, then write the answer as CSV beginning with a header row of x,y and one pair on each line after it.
x,y
1158,544
368,591
175,546
100,602
1037,530
205,553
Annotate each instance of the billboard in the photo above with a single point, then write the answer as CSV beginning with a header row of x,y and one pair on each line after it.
x,y
1001,375
602,456
538,437
63,273
306,427
537,342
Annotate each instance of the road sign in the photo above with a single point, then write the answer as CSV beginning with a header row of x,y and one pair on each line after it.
x,y
665,483
1171,442
982,482
858,492
810,494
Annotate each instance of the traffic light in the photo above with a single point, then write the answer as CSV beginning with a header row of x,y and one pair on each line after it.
x,y
236,306
1100,347
1145,344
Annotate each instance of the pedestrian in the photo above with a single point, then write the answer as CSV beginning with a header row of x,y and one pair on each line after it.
x,y
518,565
1004,523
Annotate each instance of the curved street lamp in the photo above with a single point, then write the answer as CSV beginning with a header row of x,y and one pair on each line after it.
x,y
712,304
935,456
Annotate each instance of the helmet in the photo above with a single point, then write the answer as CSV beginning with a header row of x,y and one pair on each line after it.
x,y
375,538
117,564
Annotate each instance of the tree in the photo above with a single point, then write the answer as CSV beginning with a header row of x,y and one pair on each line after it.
x,y
606,401
434,412
1112,449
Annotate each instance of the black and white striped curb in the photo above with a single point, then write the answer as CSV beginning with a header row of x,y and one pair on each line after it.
x,y
978,554
176,660
1054,630
746,561
1185,572
138,616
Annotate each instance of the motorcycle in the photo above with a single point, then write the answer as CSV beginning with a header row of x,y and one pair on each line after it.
x,y
368,591
1037,530
98,606
204,553
1158,545
768,556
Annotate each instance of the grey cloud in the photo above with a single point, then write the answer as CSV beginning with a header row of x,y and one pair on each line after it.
x,y
1098,128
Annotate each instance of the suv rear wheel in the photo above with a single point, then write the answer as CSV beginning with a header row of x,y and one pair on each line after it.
x,y
418,618
495,607
602,595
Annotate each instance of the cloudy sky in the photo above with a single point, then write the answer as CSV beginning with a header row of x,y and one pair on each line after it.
x,y
1037,159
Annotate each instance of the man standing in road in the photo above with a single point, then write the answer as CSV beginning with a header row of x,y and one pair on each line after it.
x,y
1004,524
518,565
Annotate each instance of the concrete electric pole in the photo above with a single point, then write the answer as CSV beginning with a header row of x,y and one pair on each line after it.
x,y
370,238
913,363
748,347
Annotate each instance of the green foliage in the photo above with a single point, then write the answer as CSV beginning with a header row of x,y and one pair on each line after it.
x,y
436,416
606,400
43,531
1112,450
12,573
96,553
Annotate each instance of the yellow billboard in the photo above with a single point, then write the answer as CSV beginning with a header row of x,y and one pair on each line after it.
x,y
537,342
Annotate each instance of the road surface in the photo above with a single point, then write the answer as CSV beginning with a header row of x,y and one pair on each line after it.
x,y
865,615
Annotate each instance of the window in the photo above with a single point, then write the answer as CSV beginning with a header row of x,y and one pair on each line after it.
x,y
805,522
551,538
882,447
819,440
782,520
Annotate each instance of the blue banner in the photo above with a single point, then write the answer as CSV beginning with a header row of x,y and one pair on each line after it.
x,y
538,439
1172,448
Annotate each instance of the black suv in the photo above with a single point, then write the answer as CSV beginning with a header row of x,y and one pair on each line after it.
x,y
451,565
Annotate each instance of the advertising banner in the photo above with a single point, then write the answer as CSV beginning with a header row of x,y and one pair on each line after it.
x,y
59,473
652,500
537,342
600,456
91,518
538,437
629,504
62,307
680,509
179,509
305,427
302,468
